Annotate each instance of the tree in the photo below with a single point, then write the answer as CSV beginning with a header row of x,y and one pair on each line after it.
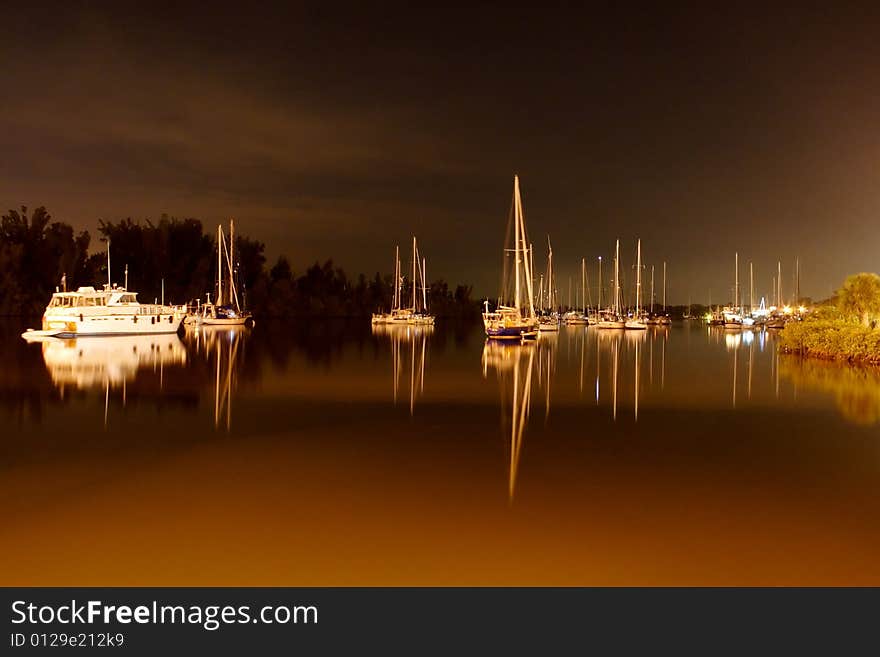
x,y
859,298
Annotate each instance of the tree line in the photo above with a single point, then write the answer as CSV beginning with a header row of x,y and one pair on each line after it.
x,y
177,257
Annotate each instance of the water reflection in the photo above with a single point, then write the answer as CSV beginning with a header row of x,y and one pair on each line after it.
x,y
856,389
221,347
109,363
635,432
408,342
513,365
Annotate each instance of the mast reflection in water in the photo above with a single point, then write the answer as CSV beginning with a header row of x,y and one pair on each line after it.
x,y
221,346
687,455
408,342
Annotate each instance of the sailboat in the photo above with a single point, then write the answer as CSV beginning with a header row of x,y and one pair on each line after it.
x,y
611,317
652,319
225,310
733,314
396,314
748,318
637,321
417,312
664,320
573,316
515,319
548,320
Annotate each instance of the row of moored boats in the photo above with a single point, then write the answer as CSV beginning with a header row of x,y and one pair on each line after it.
x,y
114,310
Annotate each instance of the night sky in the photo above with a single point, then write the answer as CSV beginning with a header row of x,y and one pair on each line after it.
x,y
331,132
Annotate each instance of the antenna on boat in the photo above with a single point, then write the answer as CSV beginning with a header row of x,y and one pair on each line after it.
x,y
126,277
109,284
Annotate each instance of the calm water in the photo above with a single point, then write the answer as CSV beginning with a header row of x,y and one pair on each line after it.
x,y
326,454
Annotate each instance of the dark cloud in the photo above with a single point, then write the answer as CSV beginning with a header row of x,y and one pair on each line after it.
x,y
339,133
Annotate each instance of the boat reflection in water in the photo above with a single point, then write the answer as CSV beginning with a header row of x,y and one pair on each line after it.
x,y
408,341
222,347
110,363
86,363
513,365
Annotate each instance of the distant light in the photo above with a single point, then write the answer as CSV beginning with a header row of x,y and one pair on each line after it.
x,y
787,310
802,309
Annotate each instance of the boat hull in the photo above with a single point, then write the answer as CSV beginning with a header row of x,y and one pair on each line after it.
x,y
107,325
224,321
510,332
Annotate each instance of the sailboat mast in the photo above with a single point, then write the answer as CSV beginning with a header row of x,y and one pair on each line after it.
x,y
517,244
550,275
616,277
599,307
638,277
531,261
414,261
396,304
424,284
231,257
736,281
751,287
584,285
219,301
664,287
778,284
652,290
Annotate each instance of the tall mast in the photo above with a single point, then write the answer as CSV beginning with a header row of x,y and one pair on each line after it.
x,y
230,254
541,293
219,301
584,285
549,275
638,277
109,282
396,304
424,285
778,284
751,287
599,307
414,261
736,281
531,261
797,266
516,248
527,263
617,278
664,287
652,289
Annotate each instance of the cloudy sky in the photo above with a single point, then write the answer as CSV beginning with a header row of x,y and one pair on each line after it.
x,y
334,132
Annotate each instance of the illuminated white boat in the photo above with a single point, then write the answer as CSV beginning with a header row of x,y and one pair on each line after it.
x,y
416,314
611,317
518,320
638,321
109,312
225,310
